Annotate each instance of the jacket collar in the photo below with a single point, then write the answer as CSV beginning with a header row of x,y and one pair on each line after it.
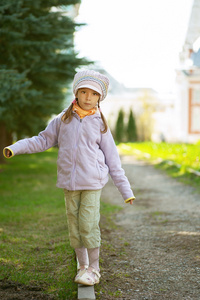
x,y
83,113
96,115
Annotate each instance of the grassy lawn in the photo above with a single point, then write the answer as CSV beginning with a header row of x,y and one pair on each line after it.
x,y
183,158
34,245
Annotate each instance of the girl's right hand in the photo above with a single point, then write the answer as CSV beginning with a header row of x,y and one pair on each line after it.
x,y
8,153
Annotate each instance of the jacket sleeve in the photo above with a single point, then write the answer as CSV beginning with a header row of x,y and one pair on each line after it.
x,y
45,140
112,160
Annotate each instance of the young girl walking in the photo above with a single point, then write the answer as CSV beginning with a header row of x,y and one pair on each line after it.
x,y
87,154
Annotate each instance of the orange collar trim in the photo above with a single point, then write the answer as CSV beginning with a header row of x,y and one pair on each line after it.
x,y
83,113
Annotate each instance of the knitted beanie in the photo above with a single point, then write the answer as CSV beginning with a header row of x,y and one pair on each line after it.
x,y
92,80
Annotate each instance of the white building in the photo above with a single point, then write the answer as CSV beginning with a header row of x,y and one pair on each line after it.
x,y
158,109
176,117
188,82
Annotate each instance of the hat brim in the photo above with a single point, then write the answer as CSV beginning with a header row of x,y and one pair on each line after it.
x,y
92,87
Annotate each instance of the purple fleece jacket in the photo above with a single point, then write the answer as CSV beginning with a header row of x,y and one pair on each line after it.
x,y
85,157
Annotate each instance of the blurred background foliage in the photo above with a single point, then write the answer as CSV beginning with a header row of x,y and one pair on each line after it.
x,y
37,63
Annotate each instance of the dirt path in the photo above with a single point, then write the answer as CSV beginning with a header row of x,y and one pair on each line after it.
x,y
155,251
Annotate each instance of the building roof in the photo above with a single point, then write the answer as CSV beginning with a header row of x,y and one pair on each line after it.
x,y
193,31
195,56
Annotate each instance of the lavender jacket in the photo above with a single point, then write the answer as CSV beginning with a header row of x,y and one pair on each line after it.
x,y
86,156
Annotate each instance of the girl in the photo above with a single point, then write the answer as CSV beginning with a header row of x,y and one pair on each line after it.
x,y
87,153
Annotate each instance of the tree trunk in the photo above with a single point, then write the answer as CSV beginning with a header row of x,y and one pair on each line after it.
x,y
5,140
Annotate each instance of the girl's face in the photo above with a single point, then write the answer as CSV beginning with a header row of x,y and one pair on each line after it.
x,y
87,98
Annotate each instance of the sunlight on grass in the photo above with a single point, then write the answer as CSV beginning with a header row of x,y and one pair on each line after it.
x,y
180,161
187,155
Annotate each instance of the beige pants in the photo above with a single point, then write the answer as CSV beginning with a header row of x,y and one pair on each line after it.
x,y
83,216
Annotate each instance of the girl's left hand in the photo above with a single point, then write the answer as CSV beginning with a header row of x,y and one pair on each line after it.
x,y
130,201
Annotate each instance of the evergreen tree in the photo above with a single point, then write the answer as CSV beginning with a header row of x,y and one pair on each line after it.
x,y
131,128
37,62
119,131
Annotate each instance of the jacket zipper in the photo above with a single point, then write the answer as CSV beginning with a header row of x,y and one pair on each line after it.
x,y
74,156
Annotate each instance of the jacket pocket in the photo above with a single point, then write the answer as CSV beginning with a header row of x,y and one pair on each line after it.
x,y
102,169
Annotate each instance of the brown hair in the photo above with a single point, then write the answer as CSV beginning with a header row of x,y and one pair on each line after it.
x,y
68,117
103,119
68,114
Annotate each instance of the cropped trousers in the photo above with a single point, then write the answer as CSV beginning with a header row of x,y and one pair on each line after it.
x,y
83,216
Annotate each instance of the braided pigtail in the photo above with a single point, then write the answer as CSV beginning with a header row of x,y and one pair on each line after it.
x,y
68,114
103,119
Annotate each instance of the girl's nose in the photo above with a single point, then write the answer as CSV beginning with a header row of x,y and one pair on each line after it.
x,y
88,96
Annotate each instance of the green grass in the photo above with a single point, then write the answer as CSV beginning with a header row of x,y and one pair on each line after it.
x,y
186,155
183,158
34,244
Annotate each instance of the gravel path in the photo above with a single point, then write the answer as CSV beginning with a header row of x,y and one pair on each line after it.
x,y
155,251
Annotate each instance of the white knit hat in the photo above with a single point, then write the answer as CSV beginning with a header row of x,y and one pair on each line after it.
x,y
92,80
